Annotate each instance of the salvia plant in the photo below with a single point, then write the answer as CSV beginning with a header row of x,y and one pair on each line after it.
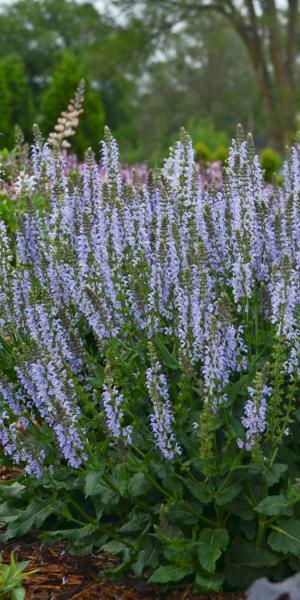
x,y
150,346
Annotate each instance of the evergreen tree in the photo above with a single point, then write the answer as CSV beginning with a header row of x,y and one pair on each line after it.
x,y
16,102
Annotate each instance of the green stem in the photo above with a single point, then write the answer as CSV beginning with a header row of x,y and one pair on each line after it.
x,y
151,480
219,514
274,456
252,496
81,510
256,321
260,534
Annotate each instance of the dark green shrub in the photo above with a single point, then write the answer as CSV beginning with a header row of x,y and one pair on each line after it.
x,y
270,162
220,154
202,153
54,100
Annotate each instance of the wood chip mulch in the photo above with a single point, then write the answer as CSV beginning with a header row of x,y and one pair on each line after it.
x,y
62,576
7,474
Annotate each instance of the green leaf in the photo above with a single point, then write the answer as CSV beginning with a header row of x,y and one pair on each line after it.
x,y
8,512
170,573
107,495
275,473
241,508
120,479
167,358
199,490
21,566
133,525
241,577
210,583
228,494
114,547
91,485
138,485
249,528
15,490
285,537
72,535
97,382
18,594
296,414
211,543
190,516
34,516
274,505
244,555
148,557
95,487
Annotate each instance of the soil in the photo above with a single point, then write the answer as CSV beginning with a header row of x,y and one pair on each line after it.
x,y
62,576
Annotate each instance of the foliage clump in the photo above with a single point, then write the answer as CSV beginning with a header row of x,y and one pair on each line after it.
x,y
270,162
12,576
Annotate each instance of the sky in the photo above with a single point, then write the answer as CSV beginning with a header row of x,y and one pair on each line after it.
x,y
98,3
101,3
106,7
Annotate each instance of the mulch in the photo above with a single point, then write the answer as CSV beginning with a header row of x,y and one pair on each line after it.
x,y
62,576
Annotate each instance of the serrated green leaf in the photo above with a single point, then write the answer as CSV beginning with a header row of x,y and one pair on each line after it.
x,y
8,512
33,516
285,537
243,556
108,496
190,516
274,505
138,485
72,535
211,583
249,528
148,557
95,487
114,547
170,574
241,577
274,474
199,490
14,490
91,485
134,525
241,508
228,494
120,479
211,543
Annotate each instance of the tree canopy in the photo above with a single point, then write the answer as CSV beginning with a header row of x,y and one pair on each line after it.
x,y
152,67
268,31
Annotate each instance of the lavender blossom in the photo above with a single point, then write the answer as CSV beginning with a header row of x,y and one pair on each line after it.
x,y
162,417
113,403
112,261
255,413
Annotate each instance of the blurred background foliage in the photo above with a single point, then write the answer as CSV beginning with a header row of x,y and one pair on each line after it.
x,y
150,67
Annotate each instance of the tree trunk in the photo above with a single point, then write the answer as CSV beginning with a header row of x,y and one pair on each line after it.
x,y
276,88
282,82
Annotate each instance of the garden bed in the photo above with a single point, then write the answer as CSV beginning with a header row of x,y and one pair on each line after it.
x,y
62,576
